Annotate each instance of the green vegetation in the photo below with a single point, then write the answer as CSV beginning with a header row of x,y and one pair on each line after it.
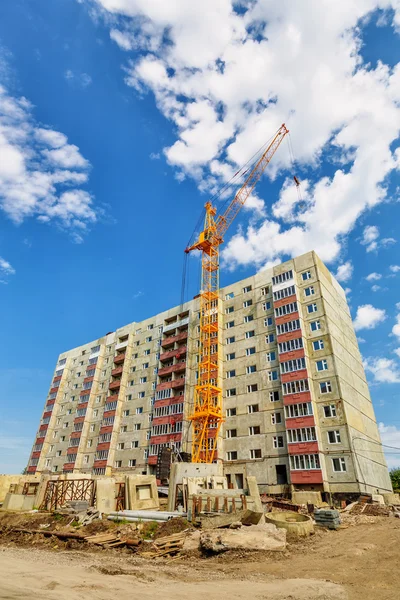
x,y
395,477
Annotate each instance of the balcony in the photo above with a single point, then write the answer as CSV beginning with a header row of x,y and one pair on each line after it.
x,y
88,379
306,477
47,414
102,446
176,324
54,390
172,353
75,435
115,385
105,429
121,345
58,378
172,369
293,375
82,405
119,358
32,469
68,467
117,371
90,370
113,398
169,341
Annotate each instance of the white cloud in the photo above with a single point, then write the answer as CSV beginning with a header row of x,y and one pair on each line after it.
x,y
390,436
384,370
394,268
82,80
396,327
226,88
375,288
5,267
371,239
344,272
40,170
368,317
374,277
397,351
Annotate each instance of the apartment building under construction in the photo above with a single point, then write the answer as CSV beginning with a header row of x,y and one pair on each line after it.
x,y
297,409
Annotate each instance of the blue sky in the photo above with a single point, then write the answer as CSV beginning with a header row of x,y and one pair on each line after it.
x,y
119,118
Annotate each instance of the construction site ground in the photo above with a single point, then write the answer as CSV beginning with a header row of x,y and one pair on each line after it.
x,y
358,561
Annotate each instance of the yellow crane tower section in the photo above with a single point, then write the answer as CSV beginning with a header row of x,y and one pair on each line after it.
x,y
207,416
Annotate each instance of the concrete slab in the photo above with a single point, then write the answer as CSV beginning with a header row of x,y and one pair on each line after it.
x,y
105,495
307,497
254,537
181,470
18,502
141,492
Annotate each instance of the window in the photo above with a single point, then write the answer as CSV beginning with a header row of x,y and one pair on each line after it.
x,y
276,418
140,395
231,412
334,437
325,387
135,444
252,408
254,430
231,392
230,340
58,453
286,309
268,322
248,319
146,352
265,291
272,375
250,351
62,438
282,277
288,326
311,308
304,462
249,334
295,387
309,291
318,345
231,455
251,369
274,396
304,434
230,324
285,293
145,365
253,387
247,289
125,413
132,462
297,364
322,365
148,339
306,275
230,374
135,355
255,453
266,305
139,410
270,356
315,325
277,441
229,296
304,409
330,410
229,310
231,433
66,424
143,380
247,303
92,428
339,464
86,459
123,429
136,426
118,464
230,356
120,446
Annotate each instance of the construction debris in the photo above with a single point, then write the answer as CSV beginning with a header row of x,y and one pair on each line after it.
x,y
218,520
327,518
264,536
111,540
167,546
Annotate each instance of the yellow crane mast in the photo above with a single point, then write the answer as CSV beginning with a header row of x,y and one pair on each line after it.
x,y
207,416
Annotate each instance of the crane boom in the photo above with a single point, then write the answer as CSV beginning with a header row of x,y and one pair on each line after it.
x,y
207,416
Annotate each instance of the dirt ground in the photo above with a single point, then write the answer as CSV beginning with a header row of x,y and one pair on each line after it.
x,y
360,561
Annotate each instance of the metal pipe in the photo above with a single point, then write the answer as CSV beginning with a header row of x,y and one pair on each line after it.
x,y
147,514
134,519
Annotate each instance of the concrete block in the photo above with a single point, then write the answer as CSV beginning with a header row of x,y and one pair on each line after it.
x,y
378,499
18,502
181,470
254,492
141,492
105,495
391,499
307,497
28,503
254,537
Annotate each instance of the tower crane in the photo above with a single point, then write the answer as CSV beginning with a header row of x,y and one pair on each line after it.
x,y
207,416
